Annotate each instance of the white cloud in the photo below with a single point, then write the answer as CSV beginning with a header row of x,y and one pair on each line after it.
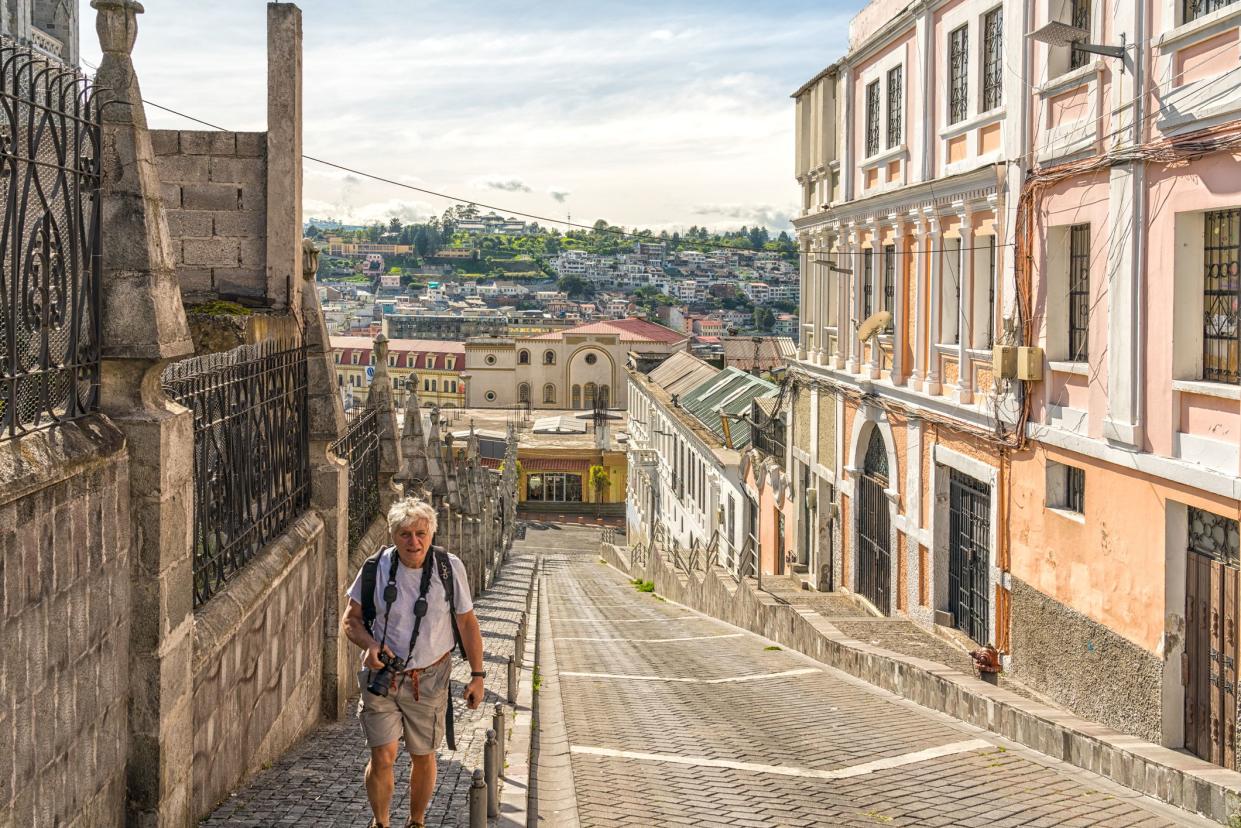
x,y
503,183
763,215
559,194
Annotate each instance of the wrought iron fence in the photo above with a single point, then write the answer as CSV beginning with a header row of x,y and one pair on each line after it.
x,y
360,447
49,243
251,452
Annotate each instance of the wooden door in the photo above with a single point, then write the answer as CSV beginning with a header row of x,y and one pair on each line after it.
x,y
1211,643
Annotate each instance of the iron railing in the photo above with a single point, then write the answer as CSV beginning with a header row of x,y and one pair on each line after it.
x,y
360,448
1221,319
1080,13
49,243
969,556
872,118
1193,9
1079,292
896,78
958,75
251,452
993,59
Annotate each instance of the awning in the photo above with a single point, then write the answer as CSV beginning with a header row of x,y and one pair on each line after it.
x,y
556,464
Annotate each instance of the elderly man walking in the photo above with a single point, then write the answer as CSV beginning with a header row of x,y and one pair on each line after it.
x,y
408,606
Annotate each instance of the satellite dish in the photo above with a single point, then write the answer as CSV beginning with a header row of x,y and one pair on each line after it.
x,y
874,323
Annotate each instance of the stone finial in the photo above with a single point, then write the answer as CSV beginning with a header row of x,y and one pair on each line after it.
x,y
117,25
310,260
381,352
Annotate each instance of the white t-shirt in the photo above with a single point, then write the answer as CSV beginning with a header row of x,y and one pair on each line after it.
x,y
435,636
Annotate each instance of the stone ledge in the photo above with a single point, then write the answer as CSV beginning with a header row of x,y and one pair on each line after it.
x,y
44,458
221,619
1172,776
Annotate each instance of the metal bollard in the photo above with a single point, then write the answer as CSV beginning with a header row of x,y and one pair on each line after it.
x,y
491,765
498,724
512,680
478,801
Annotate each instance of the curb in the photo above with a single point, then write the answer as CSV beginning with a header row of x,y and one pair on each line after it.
x,y
515,798
1162,773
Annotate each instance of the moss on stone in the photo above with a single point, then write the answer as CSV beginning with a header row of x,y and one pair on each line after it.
x,y
218,307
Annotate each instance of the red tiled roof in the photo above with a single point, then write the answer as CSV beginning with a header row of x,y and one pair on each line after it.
x,y
628,330
409,353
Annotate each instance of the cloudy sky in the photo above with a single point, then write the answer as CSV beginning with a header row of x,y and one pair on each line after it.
x,y
652,113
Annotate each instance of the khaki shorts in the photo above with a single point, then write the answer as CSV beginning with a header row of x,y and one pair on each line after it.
x,y
387,718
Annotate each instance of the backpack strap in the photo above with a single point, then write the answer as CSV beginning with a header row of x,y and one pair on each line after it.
x,y
444,565
370,573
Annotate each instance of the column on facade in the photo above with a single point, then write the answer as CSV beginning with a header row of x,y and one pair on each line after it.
x,y
806,319
842,276
823,297
934,304
965,303
851,307
920,245
899,333
875,362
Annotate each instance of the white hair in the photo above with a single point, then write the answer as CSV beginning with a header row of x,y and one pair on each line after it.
x,y
411,510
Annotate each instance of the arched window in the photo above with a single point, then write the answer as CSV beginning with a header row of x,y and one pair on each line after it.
x,y
876,463
549,394
605,396
523,393
590,395
523,357
549,357
577,396
433,384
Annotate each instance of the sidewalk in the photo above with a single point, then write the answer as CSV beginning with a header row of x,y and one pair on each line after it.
x,y
319,782
878,652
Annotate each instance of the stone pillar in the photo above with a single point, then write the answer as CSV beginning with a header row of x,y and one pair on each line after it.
x,y
852,311
284,155
329,492
875,360
900,287
143,327
807,317
844,272
380,398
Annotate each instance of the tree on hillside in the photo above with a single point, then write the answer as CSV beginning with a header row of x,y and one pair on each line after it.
x,y
576,287
764,319
394,225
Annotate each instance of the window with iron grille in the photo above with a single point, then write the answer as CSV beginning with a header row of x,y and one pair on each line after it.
x,y
872,118
1193,9
958,74
1081,20
1079,291
868,280
1214,536
993,59
1221,294
889,281
896,78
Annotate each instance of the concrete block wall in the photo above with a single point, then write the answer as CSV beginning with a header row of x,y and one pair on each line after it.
x,y
258,664
214,187
64,621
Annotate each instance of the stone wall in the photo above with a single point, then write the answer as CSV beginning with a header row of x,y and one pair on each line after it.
x,y
64,621
1083,665
214,188
258,664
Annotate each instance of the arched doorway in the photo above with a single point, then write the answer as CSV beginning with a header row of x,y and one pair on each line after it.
x,y
874,549
605,397
577,397
590,395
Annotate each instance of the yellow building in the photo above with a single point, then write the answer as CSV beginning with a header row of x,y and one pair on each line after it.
x,y
434,365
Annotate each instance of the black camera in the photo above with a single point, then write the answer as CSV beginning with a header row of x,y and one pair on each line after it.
x,y
383,678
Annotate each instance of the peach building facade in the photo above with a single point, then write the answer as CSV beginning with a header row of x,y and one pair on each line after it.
x,y
973,189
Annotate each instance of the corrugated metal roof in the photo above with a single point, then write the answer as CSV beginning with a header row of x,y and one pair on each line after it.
x,y
681,372
730,391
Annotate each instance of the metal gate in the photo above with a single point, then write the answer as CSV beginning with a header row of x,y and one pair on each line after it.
x,y
1211,638
969,559
874,528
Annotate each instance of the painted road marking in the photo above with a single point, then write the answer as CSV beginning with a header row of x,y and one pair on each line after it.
x,y
658,640
804,671
630,620
950,749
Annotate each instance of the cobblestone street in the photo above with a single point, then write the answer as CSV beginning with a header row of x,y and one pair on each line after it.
x,y
673,718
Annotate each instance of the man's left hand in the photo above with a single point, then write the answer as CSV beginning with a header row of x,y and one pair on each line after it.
x,y
474,693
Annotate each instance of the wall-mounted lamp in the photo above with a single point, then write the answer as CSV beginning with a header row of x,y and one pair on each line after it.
x,y
1056,33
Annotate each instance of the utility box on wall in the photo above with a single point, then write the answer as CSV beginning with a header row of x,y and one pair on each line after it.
x,y
1004,361
1030,364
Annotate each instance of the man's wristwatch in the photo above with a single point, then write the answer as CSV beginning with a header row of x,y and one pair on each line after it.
x,y
477,674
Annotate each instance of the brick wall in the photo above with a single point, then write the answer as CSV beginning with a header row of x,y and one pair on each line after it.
x,y
214,186
64,621
258,656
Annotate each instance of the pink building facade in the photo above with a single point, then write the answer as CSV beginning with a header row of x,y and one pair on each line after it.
x,y
1040,446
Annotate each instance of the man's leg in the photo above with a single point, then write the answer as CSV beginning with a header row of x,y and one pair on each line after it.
x,y
379,781
421,785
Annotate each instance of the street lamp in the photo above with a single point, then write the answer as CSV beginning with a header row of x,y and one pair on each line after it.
x,y
1056,33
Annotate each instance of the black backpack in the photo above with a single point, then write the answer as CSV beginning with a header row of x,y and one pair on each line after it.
x,y
370,572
